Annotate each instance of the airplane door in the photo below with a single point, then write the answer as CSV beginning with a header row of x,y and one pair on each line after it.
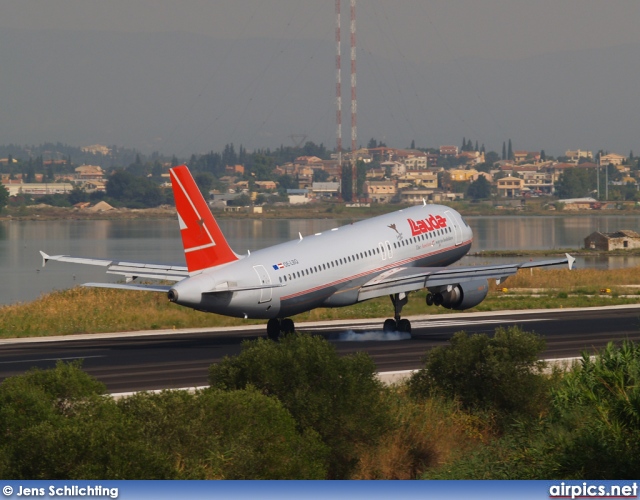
x,y
383,251
457,230
265,279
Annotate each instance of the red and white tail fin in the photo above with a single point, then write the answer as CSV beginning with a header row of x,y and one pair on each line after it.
x,y
203,242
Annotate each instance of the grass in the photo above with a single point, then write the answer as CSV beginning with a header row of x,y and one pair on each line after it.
x,y
95,310
428,434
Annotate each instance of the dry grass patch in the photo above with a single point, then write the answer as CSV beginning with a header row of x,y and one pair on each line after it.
x,y
94,310
567,280
428,434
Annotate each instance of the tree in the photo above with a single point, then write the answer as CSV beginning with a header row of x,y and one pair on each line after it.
x,y
57,424
287,182
340,398
216,434
500,373
361,177
77,195
205,181
576,183
262,167
132,191
346,184
229,155
4,197
479,189
491,158
504,151
598,403
320,175
510,151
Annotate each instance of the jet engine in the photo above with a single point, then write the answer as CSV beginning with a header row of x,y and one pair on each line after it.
x,y
459,297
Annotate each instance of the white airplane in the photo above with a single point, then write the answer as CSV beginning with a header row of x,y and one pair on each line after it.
x,y
392,254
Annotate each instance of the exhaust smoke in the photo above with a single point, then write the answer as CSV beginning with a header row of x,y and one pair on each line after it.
x,y
372,336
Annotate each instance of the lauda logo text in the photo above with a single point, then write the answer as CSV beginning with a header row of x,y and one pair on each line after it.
x,y
426,225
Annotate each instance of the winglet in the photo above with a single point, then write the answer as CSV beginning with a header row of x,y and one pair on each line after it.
x,y
204,244
571,260
45,258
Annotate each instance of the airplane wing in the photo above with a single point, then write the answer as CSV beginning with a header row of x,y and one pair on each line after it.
x,y
130,270
408,279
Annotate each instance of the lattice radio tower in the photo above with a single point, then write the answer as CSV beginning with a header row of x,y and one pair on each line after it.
x,y
354,104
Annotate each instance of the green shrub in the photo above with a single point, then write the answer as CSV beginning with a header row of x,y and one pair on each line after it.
x,y
56,424
500,373
598,403
339,398
227,435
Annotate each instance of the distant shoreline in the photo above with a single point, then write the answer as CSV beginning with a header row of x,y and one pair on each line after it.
x,y
582,252
311,211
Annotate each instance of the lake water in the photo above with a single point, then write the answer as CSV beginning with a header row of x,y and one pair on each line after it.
x,y
23,278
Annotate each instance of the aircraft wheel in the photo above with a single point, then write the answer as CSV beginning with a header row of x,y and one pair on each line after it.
x,y
273,328
287,326
429,299
389,325
404,326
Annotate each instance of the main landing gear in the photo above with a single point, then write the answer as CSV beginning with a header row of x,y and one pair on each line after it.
x,y
275,327
396,324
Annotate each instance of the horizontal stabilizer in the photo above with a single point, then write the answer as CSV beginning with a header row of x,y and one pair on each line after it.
x,y
130,270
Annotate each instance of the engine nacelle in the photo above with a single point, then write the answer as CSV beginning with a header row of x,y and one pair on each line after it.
x,y
462,296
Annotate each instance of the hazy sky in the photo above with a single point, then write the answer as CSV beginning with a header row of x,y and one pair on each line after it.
x,y
421,30
412,32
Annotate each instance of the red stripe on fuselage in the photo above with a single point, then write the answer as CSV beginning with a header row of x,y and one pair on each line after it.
x,y
374,271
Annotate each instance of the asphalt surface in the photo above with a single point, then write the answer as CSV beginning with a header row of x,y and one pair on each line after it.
x,y
178,359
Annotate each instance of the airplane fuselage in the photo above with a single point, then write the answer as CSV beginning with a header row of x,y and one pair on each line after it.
x,y
327,269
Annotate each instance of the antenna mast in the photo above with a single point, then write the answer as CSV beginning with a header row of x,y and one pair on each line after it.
x,y
338,87
354,106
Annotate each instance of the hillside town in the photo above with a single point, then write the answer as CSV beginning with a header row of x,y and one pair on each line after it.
x,y
580,179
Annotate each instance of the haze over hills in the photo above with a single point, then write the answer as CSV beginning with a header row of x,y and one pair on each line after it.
x,y
180,93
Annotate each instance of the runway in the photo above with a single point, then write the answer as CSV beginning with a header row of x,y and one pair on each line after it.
x,y
171,359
